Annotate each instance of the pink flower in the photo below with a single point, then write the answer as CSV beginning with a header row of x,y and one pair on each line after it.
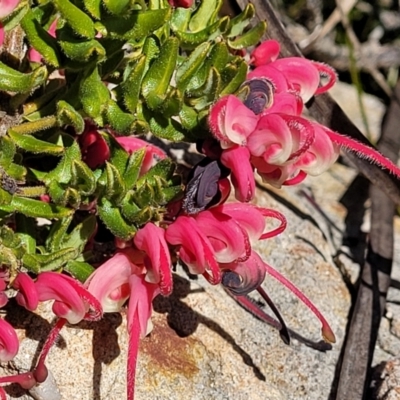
x,y
219,235
9,343
152,152
195,249
301,75
27,295
237,159
7,7
95,150
231,122
151,240
265,53
112,284
71,299
1,34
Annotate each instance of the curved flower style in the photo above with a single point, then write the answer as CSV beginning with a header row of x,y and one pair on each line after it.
x,y
9,343
71,300
27,295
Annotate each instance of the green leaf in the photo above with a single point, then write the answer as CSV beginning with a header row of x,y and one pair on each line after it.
x,y
115,186
80,22
33,145
112,218
132,84
164,169
83,178
191,65
117,7
78,49
49,262
188,117
165,128
218,58
208,93
137,25
205,15
180,19
121,122
80,234
64,195
190,40
79,269
26,229
63,172
130,210
7,151
15,81
94,95
67,115
132,171
237,77
36,126
157,79
57,233
118,155
250,38
93,7
36,208
241,21
41,40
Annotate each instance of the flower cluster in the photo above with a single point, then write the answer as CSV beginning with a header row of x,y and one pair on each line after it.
x,y
262,128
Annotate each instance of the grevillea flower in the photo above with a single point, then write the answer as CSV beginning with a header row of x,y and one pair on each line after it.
x,y
27,295
71,300
231,121
264,131
195,250
9,343
112,284
219,235
157,260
